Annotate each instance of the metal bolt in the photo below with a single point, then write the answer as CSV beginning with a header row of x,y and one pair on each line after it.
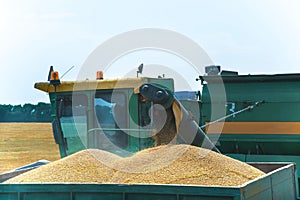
x,y
159,93
145,88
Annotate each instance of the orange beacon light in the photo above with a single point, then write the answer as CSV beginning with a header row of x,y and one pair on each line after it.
x,y
54,79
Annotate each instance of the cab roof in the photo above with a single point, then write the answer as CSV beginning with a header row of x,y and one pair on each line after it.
x,y
68,86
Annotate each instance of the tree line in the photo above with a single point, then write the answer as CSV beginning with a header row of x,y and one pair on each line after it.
x,y
40,112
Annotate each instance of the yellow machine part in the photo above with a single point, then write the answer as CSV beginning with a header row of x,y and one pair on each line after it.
x,y
67,86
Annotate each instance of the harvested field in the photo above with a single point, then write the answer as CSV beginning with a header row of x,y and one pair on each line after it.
x,y
24,143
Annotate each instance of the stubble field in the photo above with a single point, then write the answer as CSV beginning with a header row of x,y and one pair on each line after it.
x,y
24,143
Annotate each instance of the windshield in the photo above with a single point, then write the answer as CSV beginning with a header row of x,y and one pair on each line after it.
x,y
112,120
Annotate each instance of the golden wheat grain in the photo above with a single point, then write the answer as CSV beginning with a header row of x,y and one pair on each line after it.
x,y
170,164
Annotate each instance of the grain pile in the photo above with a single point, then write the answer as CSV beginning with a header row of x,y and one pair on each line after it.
x,y
171,164
193,165
83,166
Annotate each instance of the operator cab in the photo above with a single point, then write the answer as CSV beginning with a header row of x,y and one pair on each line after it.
x,y
104,114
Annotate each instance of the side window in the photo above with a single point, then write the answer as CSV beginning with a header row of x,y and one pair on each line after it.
x,y
112,119
69,105
73,119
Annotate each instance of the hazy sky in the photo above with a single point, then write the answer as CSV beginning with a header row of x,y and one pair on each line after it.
x,y
259,36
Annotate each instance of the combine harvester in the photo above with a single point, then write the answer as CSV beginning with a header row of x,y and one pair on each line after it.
x,y
261,128
262,123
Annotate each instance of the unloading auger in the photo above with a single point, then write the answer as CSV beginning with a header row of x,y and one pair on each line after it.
x,y
187,130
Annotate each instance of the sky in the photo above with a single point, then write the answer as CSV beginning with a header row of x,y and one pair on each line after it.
x,y
251,37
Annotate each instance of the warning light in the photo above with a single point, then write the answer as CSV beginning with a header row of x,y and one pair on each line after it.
x,y
54,76
99,75
54,79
